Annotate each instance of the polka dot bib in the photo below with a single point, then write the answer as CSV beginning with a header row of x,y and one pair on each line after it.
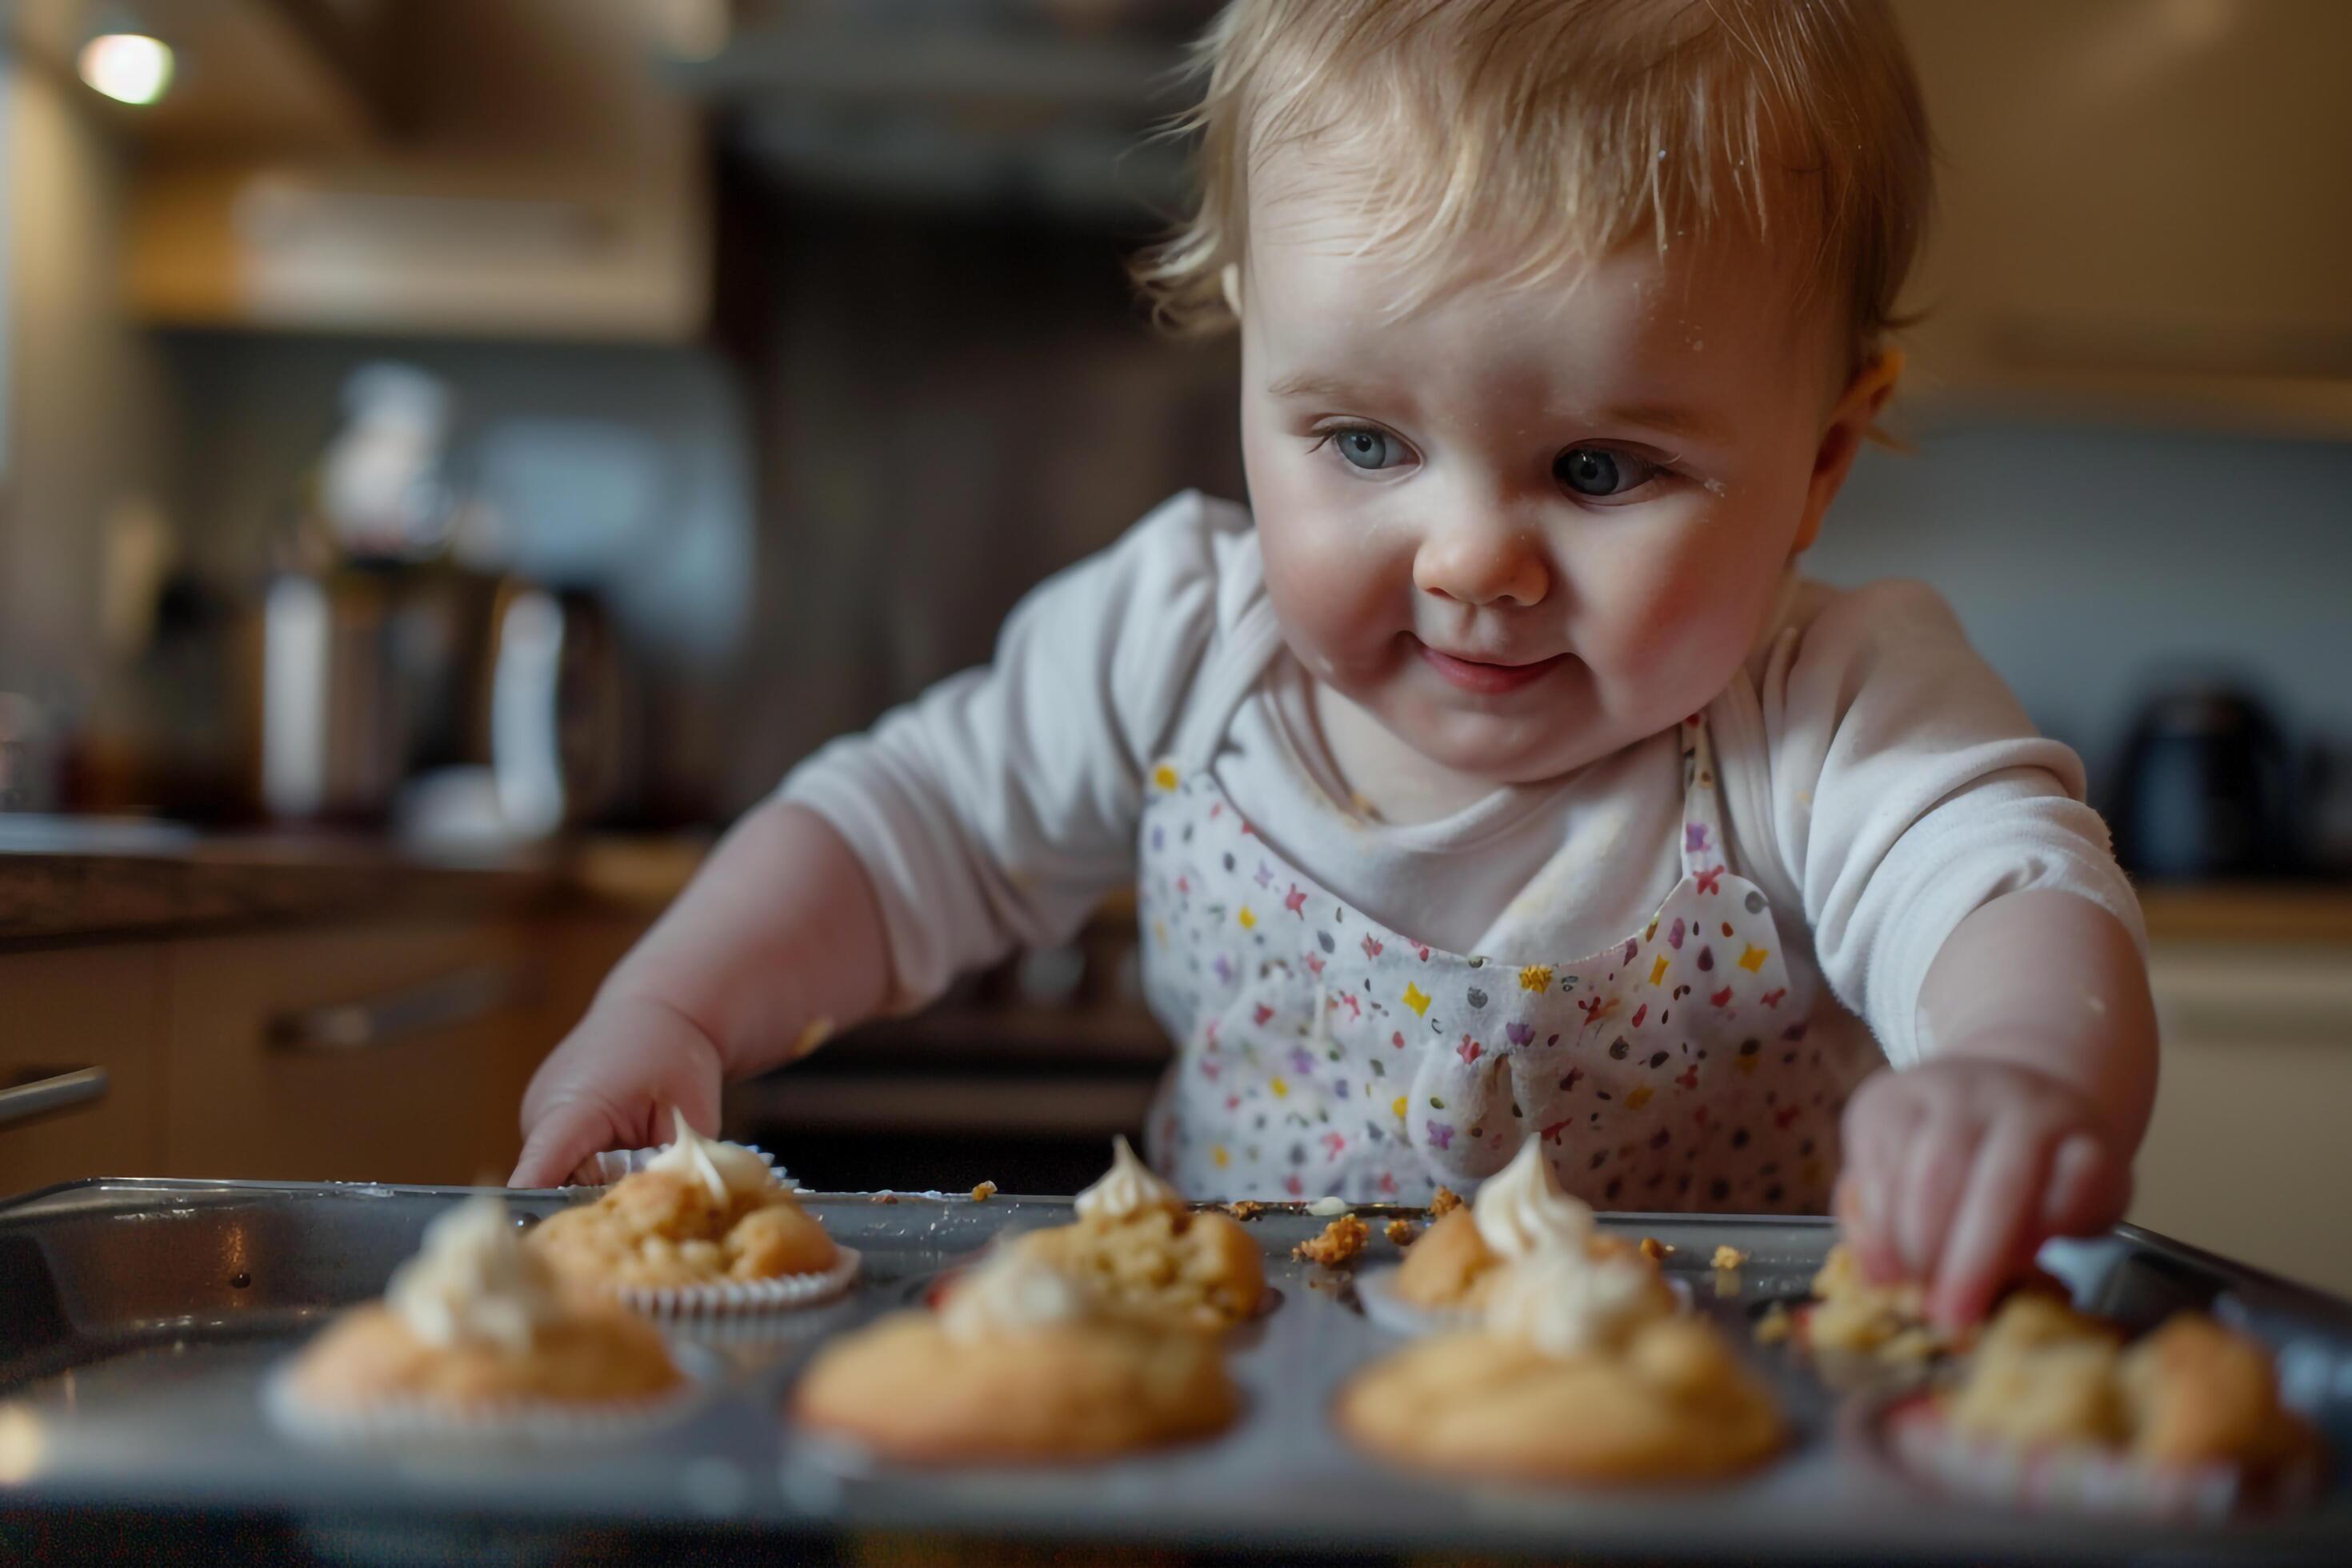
x,y
1322,1053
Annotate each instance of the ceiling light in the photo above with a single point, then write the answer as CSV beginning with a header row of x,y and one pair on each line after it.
x,y
129,67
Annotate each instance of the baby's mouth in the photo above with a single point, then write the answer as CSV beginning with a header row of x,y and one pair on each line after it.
x,y
1487,678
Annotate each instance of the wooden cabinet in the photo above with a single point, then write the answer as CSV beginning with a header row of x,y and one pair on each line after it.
x,y
65,1011
2250,1154
2139,207
372,1053
545,182
378,1053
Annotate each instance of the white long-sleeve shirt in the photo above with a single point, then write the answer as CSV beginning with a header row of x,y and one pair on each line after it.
x,y
1879,784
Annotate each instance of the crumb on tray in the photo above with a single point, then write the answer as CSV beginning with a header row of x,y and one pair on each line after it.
x,y
1246,1209
1729,1258
1447,1201
1912,1345
1656,1251
884,1198
1776,1325
982,1193
1403,1232
1342,1241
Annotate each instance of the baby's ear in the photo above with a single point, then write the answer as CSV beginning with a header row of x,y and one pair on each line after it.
x,y
1850,423
1229,280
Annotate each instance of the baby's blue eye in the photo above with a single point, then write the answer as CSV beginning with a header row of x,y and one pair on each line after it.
x,y
1597,471
1369,449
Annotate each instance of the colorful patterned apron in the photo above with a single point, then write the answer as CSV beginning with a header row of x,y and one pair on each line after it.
x,y
1322,1053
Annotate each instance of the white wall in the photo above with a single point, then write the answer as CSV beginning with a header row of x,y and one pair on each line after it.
x,y
2088,561
84,404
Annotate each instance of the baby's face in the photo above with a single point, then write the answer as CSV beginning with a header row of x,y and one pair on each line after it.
x,y
1526,526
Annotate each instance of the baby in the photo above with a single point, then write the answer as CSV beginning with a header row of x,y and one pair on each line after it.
x,y
1495,776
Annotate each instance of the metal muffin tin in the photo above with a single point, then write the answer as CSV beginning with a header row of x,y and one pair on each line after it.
x,y
138,1319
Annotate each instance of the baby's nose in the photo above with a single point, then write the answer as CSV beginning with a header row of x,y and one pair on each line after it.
x,y
1482,563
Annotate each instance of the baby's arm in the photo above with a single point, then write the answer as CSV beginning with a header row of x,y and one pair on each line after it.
x,y
2020,1123
778,938
1963,900
991,813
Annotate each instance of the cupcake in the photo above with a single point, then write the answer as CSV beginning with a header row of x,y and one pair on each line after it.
x,y
1578,1369
1022,1364
1852,1315
1881,1324
477,1331
1521,1212
1139,1246
703,1226
2053,1408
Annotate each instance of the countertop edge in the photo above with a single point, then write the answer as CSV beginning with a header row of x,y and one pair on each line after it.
x,y
60,897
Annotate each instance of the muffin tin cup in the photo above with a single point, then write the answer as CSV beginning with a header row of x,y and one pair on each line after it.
x,y
398,1423
1912,1435
740,1298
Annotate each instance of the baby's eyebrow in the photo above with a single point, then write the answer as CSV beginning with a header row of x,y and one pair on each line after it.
x,y
1669,418
1310,384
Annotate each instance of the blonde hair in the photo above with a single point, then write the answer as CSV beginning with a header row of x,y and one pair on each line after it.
x,y
1564,127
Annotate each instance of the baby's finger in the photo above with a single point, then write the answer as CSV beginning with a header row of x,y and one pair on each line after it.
x,y
1996,1226
558,1143
1862,1224
1876,1131
2089,1188
1935,1173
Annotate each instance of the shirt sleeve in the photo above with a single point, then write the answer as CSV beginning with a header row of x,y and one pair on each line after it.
x,y
1908,789
997,810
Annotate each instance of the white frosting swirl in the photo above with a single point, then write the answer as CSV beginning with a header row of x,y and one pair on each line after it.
x,y
473,1280
1128,1188
1012,1289
726,1168
1566,1304
1521,1210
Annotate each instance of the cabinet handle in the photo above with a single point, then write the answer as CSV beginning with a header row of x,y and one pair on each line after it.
x,y
79,1086
442,1003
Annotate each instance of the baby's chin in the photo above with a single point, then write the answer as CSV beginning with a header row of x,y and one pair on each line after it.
x,y
1529,745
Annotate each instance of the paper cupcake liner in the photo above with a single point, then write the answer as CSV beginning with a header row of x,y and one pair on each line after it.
x,y
1376,1289
785,1292
2073,1480
604,1170
407,1421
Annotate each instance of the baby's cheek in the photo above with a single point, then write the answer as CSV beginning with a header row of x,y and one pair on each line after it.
x,y
1673,628
1334,588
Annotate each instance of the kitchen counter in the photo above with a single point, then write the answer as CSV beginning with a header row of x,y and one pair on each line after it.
x,y
2301,914
115,882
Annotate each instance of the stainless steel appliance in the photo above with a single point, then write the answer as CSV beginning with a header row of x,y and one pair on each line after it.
x,y
373,676
368,676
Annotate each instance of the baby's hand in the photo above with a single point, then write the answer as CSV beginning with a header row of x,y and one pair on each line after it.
x,y
1958,1169
611,1085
